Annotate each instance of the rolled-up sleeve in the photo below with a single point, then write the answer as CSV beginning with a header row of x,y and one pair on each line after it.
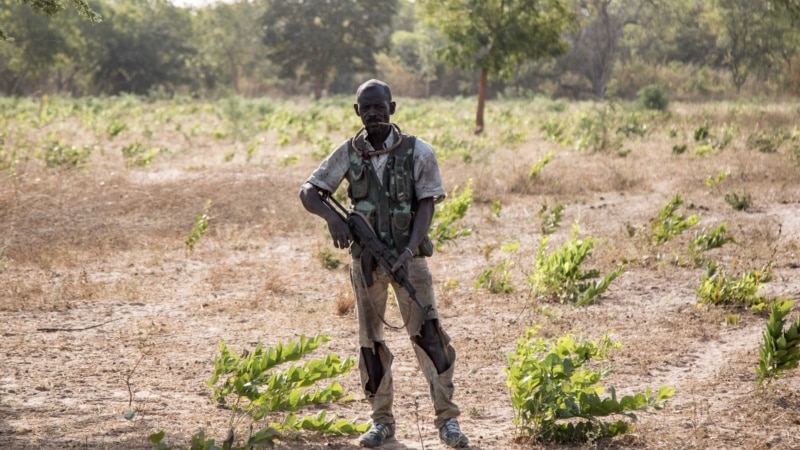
x,y
330,174
426,173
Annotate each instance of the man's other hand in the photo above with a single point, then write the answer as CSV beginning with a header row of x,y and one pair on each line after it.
x,y
340,233
403,260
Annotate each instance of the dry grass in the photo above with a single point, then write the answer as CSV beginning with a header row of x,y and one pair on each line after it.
x,y
83,246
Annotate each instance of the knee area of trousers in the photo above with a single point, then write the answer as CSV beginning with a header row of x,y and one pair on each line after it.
x,y
429,336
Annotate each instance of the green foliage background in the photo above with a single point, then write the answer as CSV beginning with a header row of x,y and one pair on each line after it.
x,y
683,48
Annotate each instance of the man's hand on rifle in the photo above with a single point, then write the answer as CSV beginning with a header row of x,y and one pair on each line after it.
x,y
403,259
340,232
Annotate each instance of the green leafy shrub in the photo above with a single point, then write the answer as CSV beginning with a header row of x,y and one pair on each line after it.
x,y
448,213
703,150
709,239
717,288
260,388
60,155
261,392
115,128
594,131
654,97
715,180
555,130
780,351
136,155
550,219
767,142
328,258
8,158
701,133
669,223
557,398
559,274
539,166
739,203
199,228
496,279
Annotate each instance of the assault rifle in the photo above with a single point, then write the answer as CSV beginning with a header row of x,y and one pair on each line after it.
x,y
373,250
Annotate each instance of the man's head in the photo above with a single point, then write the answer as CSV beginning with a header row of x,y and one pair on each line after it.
x,y
375,106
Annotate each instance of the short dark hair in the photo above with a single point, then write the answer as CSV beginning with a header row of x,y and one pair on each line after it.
x,y
374,83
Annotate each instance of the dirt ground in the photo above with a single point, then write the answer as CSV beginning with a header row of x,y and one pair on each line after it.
x,y
104,310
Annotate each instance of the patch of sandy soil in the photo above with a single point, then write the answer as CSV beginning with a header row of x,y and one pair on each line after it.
x,y
104,311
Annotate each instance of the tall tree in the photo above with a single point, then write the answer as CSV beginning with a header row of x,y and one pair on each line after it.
x,y
790,6
745,43
228,36
495,36
50,8
141,44
43,52
317,40
594,46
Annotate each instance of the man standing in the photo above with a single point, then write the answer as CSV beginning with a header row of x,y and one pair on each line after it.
x,y
394,182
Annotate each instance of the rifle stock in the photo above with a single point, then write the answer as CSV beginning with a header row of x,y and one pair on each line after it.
x,y
364,236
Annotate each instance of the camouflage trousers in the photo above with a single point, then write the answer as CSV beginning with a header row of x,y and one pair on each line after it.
x,y
371,307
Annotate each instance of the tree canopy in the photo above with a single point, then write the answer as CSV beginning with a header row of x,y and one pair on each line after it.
x,y
575,48
316,40
52,7
495,36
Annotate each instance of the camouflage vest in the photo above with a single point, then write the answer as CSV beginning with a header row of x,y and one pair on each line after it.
x,y
390,205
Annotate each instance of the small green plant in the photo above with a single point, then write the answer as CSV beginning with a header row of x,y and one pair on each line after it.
x,y
670,223
703,150
289,160
496,279
595,132
60,155
737,202
732,319
654,97
557,398
672,132
701,133
328,258
780,351
555,130
135,154
715,180
559,274
539,166
8,158
717,288
728,133
115,128
767,142
496,208
679,149
550,219
257,386
448,213
199,228
709,239
251,149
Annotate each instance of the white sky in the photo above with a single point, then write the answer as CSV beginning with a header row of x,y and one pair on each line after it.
x,y
194,3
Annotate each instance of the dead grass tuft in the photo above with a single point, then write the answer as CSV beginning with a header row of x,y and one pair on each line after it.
x,y
344,303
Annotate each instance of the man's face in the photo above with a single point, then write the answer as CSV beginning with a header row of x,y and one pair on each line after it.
x,y
374,108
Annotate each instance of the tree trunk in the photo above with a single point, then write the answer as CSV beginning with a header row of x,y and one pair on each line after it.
x,y
234,72
481,100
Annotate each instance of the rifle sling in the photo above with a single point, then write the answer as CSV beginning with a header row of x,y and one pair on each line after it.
x,y
367,260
